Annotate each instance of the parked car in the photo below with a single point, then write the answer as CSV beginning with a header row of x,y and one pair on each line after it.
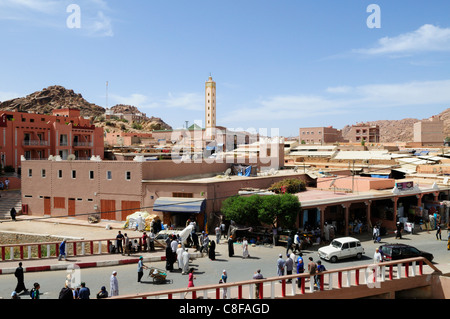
x,y
402,251
341,248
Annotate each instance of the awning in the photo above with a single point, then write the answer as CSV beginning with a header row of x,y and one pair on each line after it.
x,y
179,205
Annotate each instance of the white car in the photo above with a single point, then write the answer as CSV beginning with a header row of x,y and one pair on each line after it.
x,y
341,248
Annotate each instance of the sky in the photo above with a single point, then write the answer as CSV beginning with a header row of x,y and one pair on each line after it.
x,y
278,65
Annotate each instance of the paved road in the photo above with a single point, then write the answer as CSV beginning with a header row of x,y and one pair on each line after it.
x,y
207,271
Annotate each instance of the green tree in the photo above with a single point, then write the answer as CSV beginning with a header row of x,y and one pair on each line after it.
x,y
279,210
243,210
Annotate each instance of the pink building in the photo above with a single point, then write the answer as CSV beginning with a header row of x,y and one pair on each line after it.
x,y
320,135
37,136
363,132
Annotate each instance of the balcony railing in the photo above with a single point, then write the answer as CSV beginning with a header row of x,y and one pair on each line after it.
x,y
89,144
35,143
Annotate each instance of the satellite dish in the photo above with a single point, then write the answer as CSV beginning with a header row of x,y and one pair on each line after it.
x,y
295,169
71,157
51,158
228,172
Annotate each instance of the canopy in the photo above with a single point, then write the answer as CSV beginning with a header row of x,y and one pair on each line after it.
x,y
179,205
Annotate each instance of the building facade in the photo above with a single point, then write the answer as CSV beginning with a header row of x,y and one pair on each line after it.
x,y
364,133
429,132
320,135
37,136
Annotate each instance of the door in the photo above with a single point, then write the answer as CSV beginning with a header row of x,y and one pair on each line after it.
x,y
108,209
345,250
47,206
71,207
128,208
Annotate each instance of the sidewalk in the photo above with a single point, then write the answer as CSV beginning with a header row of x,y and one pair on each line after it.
x,y
103,230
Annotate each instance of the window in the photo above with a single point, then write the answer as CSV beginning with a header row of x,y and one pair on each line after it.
x,y
345,246
43,173
353,244
30,172
109,175
60,173
74,174
91,174
128,176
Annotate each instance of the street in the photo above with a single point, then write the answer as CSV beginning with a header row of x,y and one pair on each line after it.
x,y
209,272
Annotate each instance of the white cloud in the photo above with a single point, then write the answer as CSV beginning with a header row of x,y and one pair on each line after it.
x,y
345,100
428,38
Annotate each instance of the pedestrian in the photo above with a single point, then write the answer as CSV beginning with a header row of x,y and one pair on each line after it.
x,y
66,292
20,279
151,240
191,278
223,279
144,241
230,246
114,284
300,269
195,240
13,214
204,242
289,263
297,242
185,257
398,232
222,230
377,257
7,183
257,276
84,292
180,252
127,244
212,250
245,253
312,266
289,244
280,266
62,250
320,268
119,241
76,293
103,293
218,234
376,234
169,258
141,267
34,293
438,232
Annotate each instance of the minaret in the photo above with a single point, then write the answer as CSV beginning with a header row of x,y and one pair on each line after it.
x,y
210,105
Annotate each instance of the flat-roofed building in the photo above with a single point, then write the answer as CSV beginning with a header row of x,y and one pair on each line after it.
x,y
320,135
429,132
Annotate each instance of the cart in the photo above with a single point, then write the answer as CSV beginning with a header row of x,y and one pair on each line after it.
x,y
158,275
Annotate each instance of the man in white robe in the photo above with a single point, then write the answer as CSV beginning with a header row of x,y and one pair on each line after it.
x,y
114,285
185,257
180,251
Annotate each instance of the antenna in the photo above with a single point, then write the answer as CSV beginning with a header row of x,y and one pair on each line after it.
x,y
106,94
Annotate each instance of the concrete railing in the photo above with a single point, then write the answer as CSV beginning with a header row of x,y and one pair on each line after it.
x,y
370,275
51,249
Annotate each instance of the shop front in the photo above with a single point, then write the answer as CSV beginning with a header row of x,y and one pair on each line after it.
x,y
176,211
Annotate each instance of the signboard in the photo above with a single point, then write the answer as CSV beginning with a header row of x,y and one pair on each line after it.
x,y
405,186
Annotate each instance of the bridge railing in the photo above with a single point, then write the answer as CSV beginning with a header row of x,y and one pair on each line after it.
x,y
285,286
40,250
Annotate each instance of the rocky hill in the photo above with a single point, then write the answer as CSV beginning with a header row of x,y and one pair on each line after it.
x,y
56,97
53,97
